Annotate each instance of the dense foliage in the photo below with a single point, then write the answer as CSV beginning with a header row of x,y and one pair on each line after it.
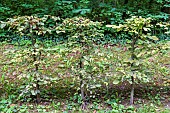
x,y
83,50
106,11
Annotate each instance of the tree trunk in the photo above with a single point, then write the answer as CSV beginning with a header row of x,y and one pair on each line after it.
x,y
36,70
82,78
132,90
134,39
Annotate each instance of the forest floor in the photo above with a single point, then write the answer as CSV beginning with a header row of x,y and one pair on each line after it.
x,y
64,97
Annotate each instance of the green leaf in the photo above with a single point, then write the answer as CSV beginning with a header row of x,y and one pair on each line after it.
x,y
2,34
109,25
116,81
36,45
146,29
153,38
2,25
98,85
33,92
86,63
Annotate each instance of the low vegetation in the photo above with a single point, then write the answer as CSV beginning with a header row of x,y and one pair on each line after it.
x,y
109,59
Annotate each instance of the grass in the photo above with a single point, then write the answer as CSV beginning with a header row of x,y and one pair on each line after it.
x,y
60,91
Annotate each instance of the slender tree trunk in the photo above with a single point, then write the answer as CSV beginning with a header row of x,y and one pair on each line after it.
x,y
134,39
82,78
36,70
37,84
132,90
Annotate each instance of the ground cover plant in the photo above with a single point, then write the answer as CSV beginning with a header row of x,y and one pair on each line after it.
x,y
84,56
63,95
